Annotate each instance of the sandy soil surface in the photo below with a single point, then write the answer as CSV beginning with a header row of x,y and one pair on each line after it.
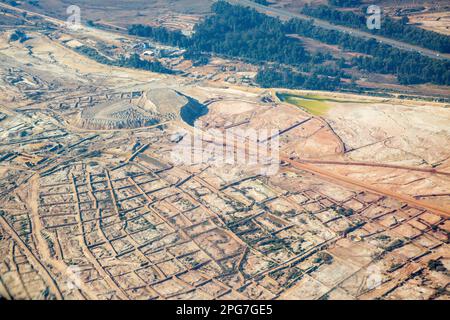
x,y
130,220
437,22
402,133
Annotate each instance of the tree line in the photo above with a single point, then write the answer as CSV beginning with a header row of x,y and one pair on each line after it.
x,y
244,33
278,76
238,32
381,58
390,28
345,3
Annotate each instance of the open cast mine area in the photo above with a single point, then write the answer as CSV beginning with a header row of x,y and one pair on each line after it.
x,y
94,204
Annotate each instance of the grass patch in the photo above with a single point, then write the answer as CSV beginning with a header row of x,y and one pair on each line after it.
x,y
314,106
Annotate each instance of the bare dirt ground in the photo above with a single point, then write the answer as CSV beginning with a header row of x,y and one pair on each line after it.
x,y
182,13
109,214
437,22
392,132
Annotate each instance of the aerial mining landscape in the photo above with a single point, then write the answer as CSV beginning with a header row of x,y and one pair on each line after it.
x,y
98,203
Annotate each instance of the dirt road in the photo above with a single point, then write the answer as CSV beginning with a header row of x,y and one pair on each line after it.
x,y
40,268
376,165
346,180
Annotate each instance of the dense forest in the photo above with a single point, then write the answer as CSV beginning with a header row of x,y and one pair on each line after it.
x,y
160,34
235,32
263,2
395,29
239,32
345,3
243,33
277,76
381,58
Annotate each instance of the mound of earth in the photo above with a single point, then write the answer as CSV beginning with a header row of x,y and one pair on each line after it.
x,y
116,115
153,107
173,105
163,101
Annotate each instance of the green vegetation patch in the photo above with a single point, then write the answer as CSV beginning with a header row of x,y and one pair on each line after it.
x,y
314,106
243,33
